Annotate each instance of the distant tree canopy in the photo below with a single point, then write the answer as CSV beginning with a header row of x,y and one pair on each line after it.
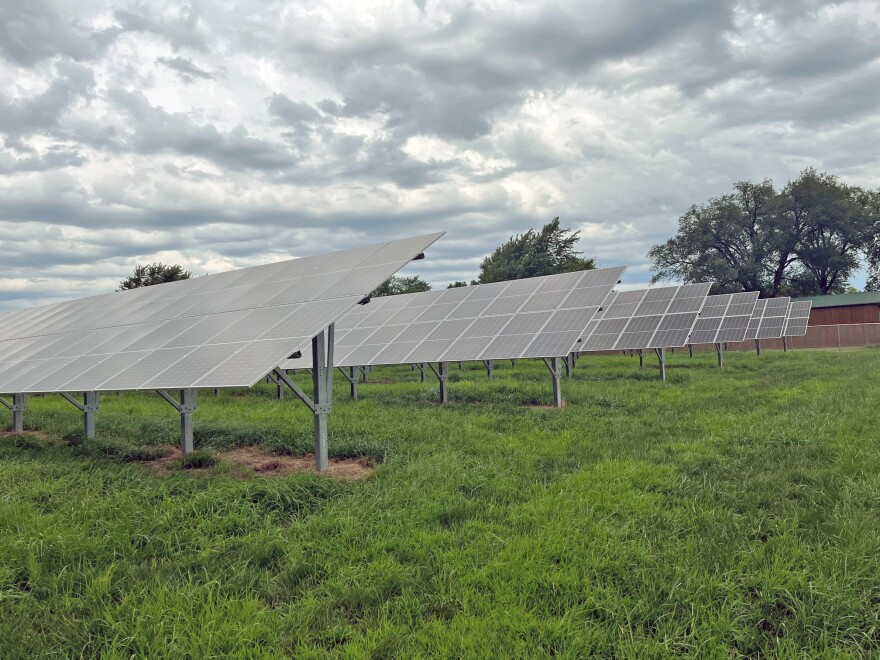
x,y
150,274
546,252
807,238
396,285
457,285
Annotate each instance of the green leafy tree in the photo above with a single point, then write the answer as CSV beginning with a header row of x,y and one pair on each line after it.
x,y
806,239
546,252
726,240
156,273
396,285
456,285
872,245
835,222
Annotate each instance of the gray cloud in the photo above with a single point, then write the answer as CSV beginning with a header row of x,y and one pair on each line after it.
x,y
36,30
43,111
223,134
186,69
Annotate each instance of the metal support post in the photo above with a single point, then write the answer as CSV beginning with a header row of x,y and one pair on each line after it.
x,y
489,368
366,372
661,355
784,345
422,373
352,377
758,347
442,373
568,362
322,392
17,408
90,408
513,363
641,358
556,374
720,356
217,392
691,350
187,408
280,389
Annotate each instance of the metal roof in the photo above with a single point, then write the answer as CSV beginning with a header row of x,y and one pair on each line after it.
x,y
843,299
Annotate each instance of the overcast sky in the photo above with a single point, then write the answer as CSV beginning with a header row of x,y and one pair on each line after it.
x,y
226,134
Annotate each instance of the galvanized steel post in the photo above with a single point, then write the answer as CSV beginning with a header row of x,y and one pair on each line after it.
x,y
720,356
89,410
187,408
661,356
19,403
557,385
322,374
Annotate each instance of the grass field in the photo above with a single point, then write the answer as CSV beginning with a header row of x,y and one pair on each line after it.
x,y
722,513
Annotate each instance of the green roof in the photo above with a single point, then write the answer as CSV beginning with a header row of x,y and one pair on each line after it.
x,y
844,299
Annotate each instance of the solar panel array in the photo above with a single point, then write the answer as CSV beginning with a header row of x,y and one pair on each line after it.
x,y
221,330
534,317
661,317
724,318
798,317
768,318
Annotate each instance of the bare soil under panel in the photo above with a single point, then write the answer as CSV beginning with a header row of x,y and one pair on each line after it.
x,y
255,462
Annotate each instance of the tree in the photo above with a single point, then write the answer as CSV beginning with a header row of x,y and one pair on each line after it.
x,y
834,224
156,273
457,284
872,245
395,285
726,240
806,239
546,252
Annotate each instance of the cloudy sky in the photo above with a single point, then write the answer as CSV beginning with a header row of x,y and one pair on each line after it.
x,y
225,134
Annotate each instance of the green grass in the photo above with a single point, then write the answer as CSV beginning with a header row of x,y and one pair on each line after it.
x,y
721,514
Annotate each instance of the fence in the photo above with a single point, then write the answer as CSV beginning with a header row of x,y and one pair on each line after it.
x,y
822,336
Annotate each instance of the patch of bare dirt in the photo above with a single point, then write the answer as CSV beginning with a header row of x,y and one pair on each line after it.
x,y
264,464
166,462
255,462
36,435
536,406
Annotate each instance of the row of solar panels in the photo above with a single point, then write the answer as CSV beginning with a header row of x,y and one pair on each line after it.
x,y
231,329
441,326
222,330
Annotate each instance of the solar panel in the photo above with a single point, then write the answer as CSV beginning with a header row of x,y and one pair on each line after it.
x,y
221,330
535,317
768,318
662,317
724,318
798,318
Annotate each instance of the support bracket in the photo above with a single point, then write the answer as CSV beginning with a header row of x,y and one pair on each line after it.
x,y
441,375
185,408
661,357
302,396
345,375
553,372
76,404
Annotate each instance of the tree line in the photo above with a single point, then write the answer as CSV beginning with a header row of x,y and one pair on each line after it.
x,y
807,238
